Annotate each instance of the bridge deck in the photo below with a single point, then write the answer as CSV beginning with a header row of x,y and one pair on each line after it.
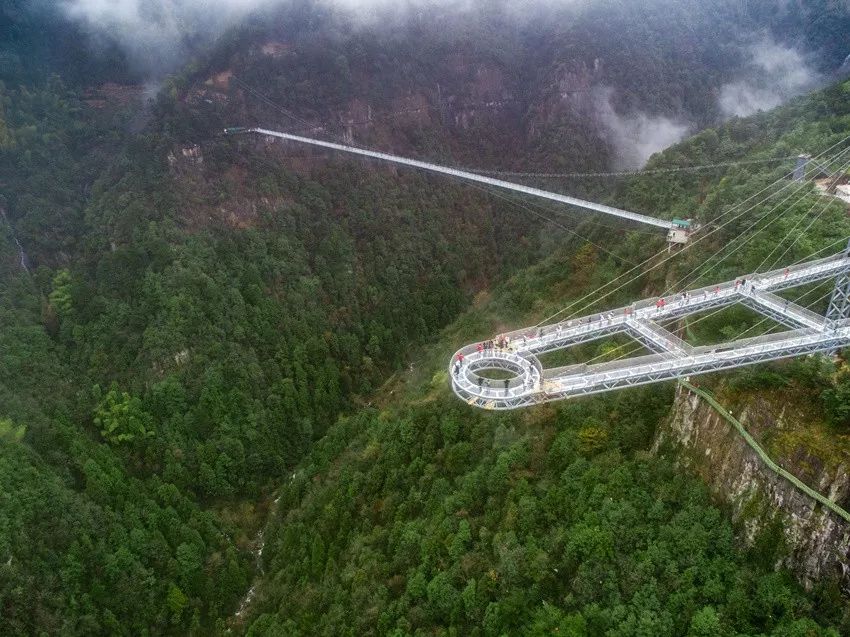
x,y
674,359
469,176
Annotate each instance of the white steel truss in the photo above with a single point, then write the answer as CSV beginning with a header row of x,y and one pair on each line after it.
x,y
839,303
674,358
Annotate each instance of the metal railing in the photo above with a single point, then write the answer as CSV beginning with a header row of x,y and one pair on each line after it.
x,y
531,383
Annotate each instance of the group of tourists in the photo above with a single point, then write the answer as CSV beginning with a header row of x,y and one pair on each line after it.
x,y
501,342
457,364
686,296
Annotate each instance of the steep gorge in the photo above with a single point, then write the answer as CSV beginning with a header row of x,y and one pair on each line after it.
x,y
810,539
209,321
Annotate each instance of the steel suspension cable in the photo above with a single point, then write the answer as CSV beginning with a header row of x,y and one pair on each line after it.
x,y
707,266
687,247
843,167
549,220
804,230
630,173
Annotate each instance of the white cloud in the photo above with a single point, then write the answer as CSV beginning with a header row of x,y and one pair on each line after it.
x,y
156,34
774,74
637,136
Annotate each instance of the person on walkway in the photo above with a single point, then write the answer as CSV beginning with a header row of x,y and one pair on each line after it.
x,y
480,347
507,382
456,368
460,357
785,274
480,381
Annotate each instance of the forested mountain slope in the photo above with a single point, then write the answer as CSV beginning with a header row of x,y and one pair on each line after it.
x,y
424,515
183,316
190,365
576,86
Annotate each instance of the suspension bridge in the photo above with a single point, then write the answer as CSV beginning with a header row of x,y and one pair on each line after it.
x,y
516,354
670,226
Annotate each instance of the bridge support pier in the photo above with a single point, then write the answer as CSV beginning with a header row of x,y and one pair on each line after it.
x,y
839,302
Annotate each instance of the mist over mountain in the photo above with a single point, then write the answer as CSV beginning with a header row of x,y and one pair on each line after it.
x,y
636,136
748,58
158,36
225,404
773,74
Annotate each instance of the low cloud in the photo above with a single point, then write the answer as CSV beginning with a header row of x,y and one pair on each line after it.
x,y
157,35
637,136
774,74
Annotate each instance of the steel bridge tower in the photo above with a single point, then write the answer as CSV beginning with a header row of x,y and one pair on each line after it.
x,y
839,302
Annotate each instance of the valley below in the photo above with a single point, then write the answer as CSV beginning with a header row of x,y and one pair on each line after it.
x,y
226,358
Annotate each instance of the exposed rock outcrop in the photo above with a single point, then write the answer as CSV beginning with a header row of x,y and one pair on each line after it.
x,y
817,539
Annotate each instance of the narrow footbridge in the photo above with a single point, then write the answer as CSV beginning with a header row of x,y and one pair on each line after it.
x,y
460,174
530,384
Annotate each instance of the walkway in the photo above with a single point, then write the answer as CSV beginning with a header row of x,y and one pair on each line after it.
x,y
532,384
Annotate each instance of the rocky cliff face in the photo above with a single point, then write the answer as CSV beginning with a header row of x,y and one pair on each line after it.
x,y
817,540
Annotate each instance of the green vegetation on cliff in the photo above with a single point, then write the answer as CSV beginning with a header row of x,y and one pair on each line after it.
x,y
428,516
197,326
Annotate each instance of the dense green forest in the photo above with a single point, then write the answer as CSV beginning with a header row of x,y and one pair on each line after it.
x,y
433,517
438,520
166,375
36,41
183,334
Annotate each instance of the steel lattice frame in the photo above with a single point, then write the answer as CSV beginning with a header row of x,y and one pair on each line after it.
x,y
676,358
839,302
